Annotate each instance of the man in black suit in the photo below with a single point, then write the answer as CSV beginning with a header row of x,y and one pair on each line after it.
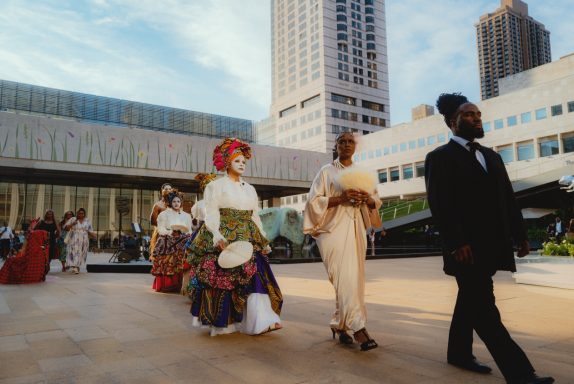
x,y
472,202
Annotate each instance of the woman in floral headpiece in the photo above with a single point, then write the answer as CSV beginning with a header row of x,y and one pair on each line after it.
x,y
198,218
173,227
159,206
245,298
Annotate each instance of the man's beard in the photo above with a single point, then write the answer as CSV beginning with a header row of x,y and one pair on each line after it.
x,y
469,132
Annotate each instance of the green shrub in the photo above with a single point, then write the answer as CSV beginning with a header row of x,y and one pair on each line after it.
x,y
552,248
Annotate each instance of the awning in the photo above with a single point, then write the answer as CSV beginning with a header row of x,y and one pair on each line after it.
x,y
535,213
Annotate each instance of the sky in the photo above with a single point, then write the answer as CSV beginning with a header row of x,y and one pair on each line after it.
x,y
199,55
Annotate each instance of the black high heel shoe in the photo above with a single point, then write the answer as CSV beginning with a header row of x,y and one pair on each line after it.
x,y
365,340
344,337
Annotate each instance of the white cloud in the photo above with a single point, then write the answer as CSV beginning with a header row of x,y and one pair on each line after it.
x,y
214,56
228,36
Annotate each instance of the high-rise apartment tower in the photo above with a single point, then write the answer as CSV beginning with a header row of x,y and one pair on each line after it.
x,y
329,70
509,41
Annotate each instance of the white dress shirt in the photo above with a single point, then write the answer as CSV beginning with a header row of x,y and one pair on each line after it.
x,y
478,154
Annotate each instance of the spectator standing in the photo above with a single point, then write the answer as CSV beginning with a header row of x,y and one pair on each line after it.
x,y
550,231
570,232
63,247
558,229
50,225
78,242
372,241
6,237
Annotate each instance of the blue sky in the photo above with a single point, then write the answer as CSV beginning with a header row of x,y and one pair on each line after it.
x,y
199,55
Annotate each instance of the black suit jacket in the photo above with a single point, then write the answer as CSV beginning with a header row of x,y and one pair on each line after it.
x,y
472,206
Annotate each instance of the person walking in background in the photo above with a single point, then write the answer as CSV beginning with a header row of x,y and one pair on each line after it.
x,y
78,241
333,216
550,231
570,230
173,230
472,201
159,206
50,225
6,237
62,246
372,241
558,229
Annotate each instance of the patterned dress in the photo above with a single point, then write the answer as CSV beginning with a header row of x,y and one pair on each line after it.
x,y
62,246
169,251
77,249
247,294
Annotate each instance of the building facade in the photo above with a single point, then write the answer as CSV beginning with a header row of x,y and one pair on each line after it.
x,y
530,124
64,151
329,70
509,41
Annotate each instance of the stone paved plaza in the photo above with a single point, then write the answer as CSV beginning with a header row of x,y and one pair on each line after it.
x,y
112,328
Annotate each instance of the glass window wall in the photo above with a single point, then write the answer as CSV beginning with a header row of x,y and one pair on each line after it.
x,y
525,150
548,146
568,142
507,153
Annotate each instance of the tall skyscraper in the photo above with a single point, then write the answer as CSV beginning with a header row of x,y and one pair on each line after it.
x,y
509,41
330,72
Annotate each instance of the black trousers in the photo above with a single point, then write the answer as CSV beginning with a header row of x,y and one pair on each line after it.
x,y
4,247
476,310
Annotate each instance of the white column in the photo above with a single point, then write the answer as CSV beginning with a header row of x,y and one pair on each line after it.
x,y
14,202
41,192
67,206
135,206
113,209
90,209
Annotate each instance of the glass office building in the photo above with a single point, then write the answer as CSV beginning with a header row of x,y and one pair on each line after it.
x,y
106,110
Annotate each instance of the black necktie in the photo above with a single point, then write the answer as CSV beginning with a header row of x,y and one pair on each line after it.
x,y
474,146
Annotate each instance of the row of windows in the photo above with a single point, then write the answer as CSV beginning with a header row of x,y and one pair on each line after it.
x,y
84,107
336,129
307,134
526,117
408,172
353,101
401,147
294,199
547,146
313,115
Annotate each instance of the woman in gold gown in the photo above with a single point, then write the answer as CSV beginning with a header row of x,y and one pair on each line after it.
x,y
338,219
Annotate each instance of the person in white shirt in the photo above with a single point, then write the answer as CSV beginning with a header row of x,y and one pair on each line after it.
x,y
245,298
6,237
558,229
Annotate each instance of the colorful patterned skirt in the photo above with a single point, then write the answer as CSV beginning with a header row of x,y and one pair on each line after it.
x,y
62,246
168,262
219,295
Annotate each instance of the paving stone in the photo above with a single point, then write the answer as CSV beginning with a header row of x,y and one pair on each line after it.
x,y
112,328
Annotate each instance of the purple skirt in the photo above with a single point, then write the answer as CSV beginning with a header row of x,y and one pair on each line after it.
x,y
220,308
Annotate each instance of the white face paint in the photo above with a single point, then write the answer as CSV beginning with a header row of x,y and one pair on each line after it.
x,y
176,203
166,189
238,165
